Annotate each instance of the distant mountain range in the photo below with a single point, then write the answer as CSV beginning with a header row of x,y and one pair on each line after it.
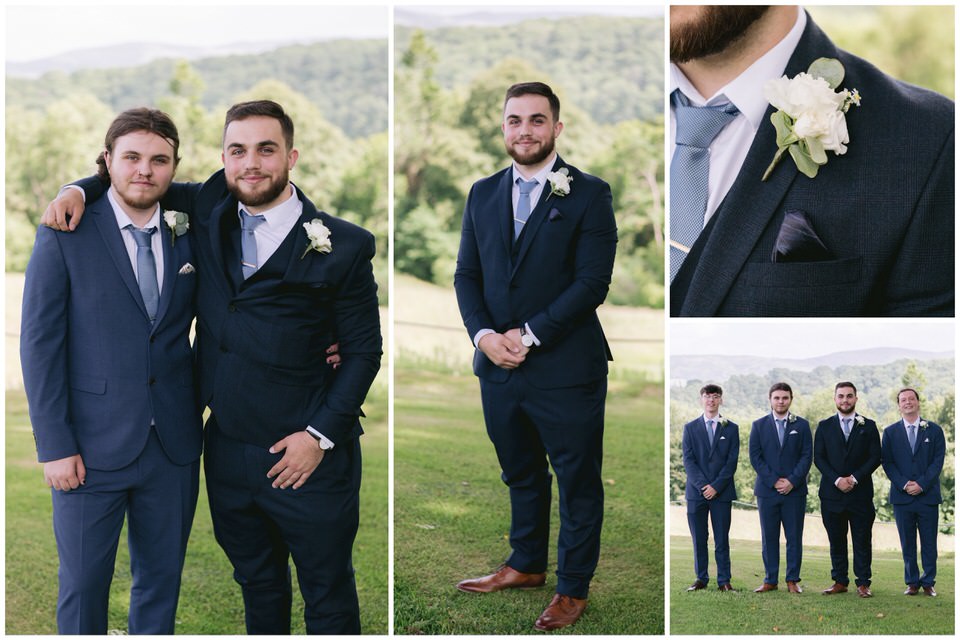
x,y
433,18
719,368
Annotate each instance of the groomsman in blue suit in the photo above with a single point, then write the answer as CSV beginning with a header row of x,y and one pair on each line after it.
x,y
711,446
108,372
846,450
912,456
535,262
781,452
871,234
278,278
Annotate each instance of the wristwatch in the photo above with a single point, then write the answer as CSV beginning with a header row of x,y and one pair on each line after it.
x,y
525,338
322,442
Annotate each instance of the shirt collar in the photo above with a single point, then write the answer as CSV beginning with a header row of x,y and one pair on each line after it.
x,y
912,424
123,219
841,418
275,216
540,176
745,91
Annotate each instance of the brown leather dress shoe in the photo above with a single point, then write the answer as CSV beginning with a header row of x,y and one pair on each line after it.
x,y
794,587
836,588
864,591
505,578
726,587
561,612
912,590
696,586
766,586
930,591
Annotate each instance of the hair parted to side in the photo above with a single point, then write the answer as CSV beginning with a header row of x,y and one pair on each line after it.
x,y
845,384
780,386
267,108
535,88
905,389
711,389
138,119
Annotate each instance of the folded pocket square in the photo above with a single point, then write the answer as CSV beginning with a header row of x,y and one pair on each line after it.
x,y
554,215
797,241
792,433
723,437
185,269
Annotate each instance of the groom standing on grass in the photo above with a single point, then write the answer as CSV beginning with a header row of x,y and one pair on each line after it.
x,y
535,262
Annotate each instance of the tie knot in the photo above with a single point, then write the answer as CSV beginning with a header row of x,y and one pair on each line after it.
x,y
698,126
780,423
142,236
250,222
526,187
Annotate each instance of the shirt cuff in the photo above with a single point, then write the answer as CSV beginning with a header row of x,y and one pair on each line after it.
x,y
480,334
73,186
325,443
836,482
526,325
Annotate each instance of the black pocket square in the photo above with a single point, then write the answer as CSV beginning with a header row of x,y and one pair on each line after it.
x,y
797,241
554,215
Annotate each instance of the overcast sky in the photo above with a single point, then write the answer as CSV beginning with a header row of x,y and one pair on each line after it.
x,y
43,30
807,338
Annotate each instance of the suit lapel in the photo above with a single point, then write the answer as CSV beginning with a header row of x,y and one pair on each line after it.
x,y
535,220
505,210
169,271
106,223
218,235
750,204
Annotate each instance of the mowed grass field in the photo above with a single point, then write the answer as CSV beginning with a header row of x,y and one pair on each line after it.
x,y
210,600
888,612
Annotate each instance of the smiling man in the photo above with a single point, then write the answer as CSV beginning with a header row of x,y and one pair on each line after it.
x,y
535,261
108,372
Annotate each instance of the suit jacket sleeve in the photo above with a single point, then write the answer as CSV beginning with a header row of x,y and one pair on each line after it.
x,y
594,254
821,458
725,474
181,196
358,325
43,348
468,278
888,459
873,457
799,473
766,475
932,472
695,474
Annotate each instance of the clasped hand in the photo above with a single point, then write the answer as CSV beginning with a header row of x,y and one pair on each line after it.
x,y
300,460
504,349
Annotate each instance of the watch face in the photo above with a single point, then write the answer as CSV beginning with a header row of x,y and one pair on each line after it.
x,y
526,340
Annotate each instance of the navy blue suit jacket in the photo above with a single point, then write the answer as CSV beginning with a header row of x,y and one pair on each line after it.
x,y
923,467
772,462
710,465
95,371
885,211
837,458
554,279
261,345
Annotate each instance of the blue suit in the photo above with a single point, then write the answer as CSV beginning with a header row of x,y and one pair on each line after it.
x,y
886,220
915,514
712,465
553,277
261,353
837,457
772,461
96,373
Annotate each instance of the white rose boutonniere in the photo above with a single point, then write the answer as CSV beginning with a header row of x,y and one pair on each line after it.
x,y
923,425
723,421
559,182
178,222
860,421
319,236
812,116
791,418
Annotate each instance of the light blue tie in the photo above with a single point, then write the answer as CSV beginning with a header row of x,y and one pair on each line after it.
x,y
781,428
912,432
710,431
690,172
846,428
523,206
146,270
248,242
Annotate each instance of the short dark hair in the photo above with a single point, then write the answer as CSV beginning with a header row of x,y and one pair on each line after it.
x,y
268,108
915,393
845,384
138,119
780,386
535,88
711,388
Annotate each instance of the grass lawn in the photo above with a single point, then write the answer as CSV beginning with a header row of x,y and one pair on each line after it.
x,y
451,515
210,601
810,613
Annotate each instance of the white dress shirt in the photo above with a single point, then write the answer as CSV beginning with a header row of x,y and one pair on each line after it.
x,y
279,220
729,149
156,240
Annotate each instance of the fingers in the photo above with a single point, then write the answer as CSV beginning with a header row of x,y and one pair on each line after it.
x,y
278,446
81,471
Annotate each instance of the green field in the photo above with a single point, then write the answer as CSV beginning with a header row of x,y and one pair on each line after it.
x,y
889,612
210,601
452,513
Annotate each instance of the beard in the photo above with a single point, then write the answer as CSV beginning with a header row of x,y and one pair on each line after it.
x,y
273,190
534,157
715,29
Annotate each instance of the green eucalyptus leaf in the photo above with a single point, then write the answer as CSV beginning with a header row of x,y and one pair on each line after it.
x,y
816,150
804,163
784,126
829,69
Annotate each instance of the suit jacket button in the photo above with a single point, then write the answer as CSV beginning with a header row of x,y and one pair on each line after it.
x,y
223,349
232,308
153,339
152,381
